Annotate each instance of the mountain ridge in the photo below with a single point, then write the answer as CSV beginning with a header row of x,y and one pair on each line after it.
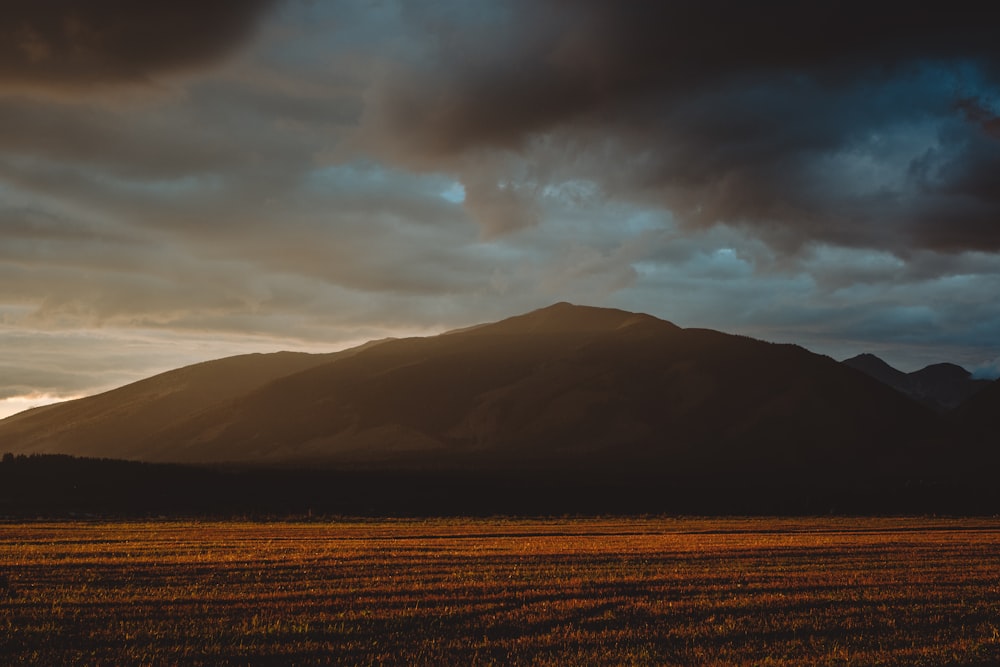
x,y
565,386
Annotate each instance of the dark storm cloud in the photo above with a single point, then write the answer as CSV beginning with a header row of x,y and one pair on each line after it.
x,y
735,112
70,44
555,61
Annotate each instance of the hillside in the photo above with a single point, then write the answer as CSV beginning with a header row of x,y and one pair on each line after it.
x,y
112,424
565,387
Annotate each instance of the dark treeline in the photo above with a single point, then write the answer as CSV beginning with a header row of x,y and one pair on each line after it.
x,y
64,486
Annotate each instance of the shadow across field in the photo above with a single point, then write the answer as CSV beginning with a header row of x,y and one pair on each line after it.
x,y
56,485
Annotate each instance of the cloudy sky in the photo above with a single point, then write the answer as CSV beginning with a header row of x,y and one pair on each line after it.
x,y
181,181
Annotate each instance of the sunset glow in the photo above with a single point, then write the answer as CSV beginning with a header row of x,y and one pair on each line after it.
x,y
15,404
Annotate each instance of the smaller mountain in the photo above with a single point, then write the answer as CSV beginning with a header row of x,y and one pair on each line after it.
x,y
871,365
942,387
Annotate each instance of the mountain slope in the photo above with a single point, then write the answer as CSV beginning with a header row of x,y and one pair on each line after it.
x,y
565,387
942,387
112,424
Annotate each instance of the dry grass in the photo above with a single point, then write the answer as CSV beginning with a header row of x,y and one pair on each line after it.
x,y
469,592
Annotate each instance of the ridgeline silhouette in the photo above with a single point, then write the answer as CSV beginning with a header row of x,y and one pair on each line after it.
x,y
564,409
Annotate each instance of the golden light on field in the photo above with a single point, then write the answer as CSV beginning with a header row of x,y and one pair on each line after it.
x,y
479,592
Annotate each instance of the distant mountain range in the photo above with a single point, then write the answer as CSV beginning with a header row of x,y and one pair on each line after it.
x,y
585,391
942,387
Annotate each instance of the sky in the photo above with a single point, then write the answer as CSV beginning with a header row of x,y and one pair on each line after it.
x,y
182,181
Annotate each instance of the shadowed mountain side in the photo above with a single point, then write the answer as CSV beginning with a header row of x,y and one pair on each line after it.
x,y
981,413
942,387
112,424
610,391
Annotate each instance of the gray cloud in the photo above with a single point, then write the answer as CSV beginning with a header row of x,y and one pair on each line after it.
x,y
551,62
68,45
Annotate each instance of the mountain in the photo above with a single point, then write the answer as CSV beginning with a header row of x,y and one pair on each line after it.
x,y
942,387
569,388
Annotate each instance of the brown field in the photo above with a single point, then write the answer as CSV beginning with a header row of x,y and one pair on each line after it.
x,y
502,591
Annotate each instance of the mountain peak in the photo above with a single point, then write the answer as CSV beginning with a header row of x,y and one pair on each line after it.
x,y
565,317
869,359
943,371
874,366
